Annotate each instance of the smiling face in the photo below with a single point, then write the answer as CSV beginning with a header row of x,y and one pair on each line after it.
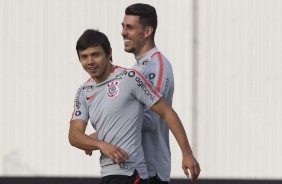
x,y
96,63
133,34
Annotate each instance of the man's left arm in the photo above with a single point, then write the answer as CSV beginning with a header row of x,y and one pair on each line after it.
x,y
173,122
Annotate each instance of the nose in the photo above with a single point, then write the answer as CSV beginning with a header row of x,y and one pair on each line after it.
x,y
90,60
123,32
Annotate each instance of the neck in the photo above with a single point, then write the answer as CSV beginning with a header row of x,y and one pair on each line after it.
x,y
107,73
147,46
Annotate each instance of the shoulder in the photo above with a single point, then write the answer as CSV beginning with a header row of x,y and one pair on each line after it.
x,y
130,76
122,73
159,60
132,73
85,87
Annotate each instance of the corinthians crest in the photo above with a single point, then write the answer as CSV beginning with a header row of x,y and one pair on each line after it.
x,y
113,89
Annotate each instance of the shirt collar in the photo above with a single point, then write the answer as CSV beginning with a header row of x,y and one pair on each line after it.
x,y
115,71
146,56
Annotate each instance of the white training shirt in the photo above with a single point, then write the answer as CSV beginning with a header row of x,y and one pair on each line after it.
x,y
115,109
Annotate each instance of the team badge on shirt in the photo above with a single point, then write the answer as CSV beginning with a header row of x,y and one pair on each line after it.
x,y
113,89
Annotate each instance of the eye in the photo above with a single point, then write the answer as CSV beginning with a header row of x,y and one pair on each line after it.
x,y
130,27
83,57
96,54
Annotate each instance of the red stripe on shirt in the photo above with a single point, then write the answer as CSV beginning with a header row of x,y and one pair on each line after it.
x,y
155,54
115,67
147,83
161,71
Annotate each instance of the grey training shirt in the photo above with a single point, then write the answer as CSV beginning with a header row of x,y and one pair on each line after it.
x,y
158,70
115,107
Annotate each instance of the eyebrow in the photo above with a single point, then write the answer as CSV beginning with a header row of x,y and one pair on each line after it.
x,y
128,25
92,53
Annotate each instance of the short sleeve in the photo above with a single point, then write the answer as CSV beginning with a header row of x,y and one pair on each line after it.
x,y
142,89
80,110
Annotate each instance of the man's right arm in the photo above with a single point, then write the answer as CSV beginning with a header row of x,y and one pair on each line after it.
x,y
79,139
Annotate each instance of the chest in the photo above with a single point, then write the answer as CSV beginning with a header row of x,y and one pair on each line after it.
x,y
108,99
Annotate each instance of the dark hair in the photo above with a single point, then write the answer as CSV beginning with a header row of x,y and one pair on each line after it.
x,y
147,15
93,38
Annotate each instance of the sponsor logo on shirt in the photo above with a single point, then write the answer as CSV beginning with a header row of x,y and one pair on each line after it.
x,y
78,94
131,74
76,101
113,89
77,113
166,87
90,97
87,88
121,75
152,76
77,104
143,86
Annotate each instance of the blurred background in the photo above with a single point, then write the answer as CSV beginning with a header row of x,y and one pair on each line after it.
x,y
227,60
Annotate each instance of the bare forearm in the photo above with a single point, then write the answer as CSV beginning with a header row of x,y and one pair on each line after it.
x,y
82,141
79,139
173,122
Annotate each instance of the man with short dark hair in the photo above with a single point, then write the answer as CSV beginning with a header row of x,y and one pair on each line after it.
x,y
138,31
113,99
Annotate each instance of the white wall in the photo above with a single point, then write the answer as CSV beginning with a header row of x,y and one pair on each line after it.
x,y
239,82
40,74
240,88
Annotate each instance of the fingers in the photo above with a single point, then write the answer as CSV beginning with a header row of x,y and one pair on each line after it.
x,y
115,153
194,172
122,154
88,152
185,171
193,175
191,167
112,157
119,156
116,159
197,170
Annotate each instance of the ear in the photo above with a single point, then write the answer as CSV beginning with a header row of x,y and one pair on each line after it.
x,y
110,54
148,31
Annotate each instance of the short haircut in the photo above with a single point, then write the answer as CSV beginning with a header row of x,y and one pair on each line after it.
x,y
93,38
147,15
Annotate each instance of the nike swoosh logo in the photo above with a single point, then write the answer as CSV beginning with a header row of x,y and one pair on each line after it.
x,y
89,97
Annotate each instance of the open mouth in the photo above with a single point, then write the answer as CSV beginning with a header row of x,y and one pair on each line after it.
x,y
127,41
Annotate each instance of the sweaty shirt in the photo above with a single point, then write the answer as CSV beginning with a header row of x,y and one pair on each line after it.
x,y
158,70
115,109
